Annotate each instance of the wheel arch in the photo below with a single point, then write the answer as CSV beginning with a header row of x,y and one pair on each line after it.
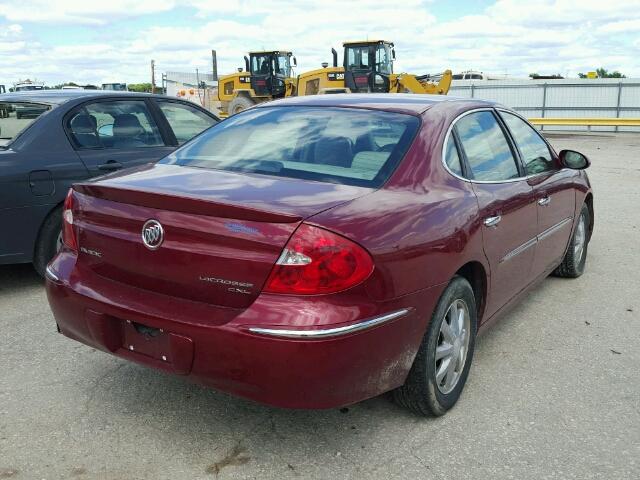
x,y
36,240
475,273
588,200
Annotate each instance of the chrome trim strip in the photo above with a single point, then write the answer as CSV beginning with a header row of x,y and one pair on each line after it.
x,y
554,228
520,249
536,239
331,332
50,275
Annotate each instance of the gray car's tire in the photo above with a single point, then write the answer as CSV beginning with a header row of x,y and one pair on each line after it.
x,y
239,104
48,241
574,260
423,391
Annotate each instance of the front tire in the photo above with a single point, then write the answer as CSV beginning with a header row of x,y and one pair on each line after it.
x,y
574,260
442,364
239,104
49,241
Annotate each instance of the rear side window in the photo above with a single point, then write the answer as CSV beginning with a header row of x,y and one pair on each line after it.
x,y
486,147
15,117
121,124
185,121
534,150
338,145
452,158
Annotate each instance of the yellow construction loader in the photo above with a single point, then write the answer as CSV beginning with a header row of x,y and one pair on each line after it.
x,y
267,75
368,67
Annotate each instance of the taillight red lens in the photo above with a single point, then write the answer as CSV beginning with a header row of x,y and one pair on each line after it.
x,y
68,232
316,261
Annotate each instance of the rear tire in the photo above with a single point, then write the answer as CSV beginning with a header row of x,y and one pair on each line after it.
x,y
574,260
427,390
240,103
49,241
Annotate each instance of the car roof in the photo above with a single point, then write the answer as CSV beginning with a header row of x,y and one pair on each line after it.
x,y
411,103
58,97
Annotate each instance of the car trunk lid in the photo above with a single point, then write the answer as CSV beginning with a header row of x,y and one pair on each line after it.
x,y
222,231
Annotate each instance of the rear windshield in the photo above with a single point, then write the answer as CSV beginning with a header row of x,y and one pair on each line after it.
x,y
338,145
15,117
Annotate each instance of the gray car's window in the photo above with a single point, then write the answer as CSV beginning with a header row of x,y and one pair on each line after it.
x,y
15,117
486,148
118,124
185,121
535,152
339,145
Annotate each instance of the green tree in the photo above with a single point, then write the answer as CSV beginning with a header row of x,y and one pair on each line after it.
x,y
60,85
604,73
555,76
140,87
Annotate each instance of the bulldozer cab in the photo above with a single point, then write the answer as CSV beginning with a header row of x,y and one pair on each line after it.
x,y
269,70
368,65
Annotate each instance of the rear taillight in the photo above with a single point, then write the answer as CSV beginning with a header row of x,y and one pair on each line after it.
x,y
68,232
316,261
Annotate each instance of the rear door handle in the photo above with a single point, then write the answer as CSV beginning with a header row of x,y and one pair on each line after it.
x,y
110,166
492,221
543,202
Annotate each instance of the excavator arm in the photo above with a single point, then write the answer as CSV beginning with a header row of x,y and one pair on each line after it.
x,y
407,83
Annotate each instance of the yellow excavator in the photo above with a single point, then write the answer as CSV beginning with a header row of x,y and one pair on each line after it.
x,y
267,75
367,67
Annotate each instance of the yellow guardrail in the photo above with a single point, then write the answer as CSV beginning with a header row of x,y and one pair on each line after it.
x,y
588,122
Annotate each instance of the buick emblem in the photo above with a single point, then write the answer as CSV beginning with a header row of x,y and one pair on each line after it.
x,y
152,234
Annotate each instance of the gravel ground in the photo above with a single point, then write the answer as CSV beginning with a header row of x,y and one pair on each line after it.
x,y
554,391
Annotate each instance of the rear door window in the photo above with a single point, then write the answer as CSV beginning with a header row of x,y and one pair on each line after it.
x,y
338,145
486,148
16,116
185,121
117,124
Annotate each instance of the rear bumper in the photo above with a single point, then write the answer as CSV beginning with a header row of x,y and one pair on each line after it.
x,y
293,353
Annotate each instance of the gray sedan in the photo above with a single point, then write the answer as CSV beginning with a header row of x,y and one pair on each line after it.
x,y
50,139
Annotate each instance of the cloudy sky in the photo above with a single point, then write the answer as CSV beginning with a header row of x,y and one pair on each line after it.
x,y
114,40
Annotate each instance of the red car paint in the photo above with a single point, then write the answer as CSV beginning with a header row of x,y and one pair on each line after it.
x,y
420,229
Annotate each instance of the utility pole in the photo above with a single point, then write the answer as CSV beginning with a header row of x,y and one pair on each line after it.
x,y
153,76
214,65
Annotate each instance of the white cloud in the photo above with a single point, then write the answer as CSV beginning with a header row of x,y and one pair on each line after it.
x,y
545,36
80,12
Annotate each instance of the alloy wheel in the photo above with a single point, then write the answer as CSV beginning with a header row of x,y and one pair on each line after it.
x,y
579,239
452,346
59,242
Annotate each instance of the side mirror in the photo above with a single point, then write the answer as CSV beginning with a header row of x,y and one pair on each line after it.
x,y
393,53
574,160
295,62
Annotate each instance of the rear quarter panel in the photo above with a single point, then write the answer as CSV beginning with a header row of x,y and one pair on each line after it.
x,y
42,148
422,226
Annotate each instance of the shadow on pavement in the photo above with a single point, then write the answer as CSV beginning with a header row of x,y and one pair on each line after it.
x,y
15,277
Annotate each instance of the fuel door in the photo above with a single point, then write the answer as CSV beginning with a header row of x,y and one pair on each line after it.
x,y
41,183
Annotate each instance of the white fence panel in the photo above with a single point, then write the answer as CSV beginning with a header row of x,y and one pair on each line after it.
x,y
603,98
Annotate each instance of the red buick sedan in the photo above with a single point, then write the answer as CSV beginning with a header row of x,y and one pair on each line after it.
x,y
318,251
